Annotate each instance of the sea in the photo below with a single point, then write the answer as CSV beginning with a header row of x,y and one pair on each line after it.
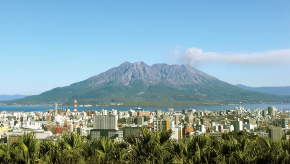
x,y
285,107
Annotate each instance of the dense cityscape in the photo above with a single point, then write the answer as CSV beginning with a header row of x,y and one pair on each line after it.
x,y
267,123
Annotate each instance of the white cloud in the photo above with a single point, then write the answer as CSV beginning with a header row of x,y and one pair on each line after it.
x,y
194,55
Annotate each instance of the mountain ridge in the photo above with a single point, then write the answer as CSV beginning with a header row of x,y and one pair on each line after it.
x,y
281,90
155,73
138,84
11,97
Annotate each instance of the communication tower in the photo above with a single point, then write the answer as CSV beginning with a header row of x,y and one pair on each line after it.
x,y
75,106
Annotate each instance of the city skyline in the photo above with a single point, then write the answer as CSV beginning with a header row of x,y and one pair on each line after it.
x,y
52,44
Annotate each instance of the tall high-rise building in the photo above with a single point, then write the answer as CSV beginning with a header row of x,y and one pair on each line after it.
x,y
271,110
105,122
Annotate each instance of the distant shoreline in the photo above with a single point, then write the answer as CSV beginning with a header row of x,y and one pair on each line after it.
x,y
285,107
171,106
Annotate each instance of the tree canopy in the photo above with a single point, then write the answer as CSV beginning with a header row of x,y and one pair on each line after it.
x,y
149,147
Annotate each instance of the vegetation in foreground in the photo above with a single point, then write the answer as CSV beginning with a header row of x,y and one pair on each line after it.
x,y
149,147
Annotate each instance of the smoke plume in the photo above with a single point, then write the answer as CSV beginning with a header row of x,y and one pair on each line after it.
x,y
194,55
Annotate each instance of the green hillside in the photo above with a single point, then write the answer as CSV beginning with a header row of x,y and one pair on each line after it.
x,y
137,84
140,94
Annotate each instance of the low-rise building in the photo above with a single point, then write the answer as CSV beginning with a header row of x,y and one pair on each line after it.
x,y
109,133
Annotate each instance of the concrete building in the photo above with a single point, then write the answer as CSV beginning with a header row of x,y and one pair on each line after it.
x,y
104,112
105,122
189,119
163,116
143,113
13,137
166,125
262,134
202,128
218,135
132,130
251,127
108,133
120,114
114,112
139,120
271,110
177,119
275,133
205,122
285,123
186,130
184,111
250,121
229,127
130,120
81,131
157,125
90,113
43,135
264,113
238,125
132,113
177,132
171,110
39,134
158,112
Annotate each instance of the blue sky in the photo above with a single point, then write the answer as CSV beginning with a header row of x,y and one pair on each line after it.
x,y
48,44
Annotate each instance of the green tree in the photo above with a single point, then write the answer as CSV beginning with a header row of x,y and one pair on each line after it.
x,y
149,147
26,149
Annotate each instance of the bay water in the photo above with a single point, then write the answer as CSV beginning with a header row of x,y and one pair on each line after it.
x,y
285,107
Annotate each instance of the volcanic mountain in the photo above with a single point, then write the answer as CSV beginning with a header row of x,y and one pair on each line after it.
x,y
137,84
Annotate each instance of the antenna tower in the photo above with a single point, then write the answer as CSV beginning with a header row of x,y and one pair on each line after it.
x,y
75,106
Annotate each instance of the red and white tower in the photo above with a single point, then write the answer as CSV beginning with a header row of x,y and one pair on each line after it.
x,y
75,106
